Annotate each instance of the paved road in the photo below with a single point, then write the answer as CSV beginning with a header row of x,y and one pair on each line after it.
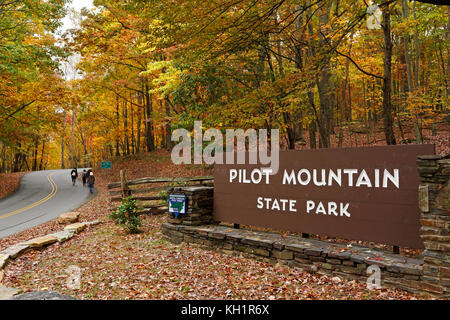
x,y
42,197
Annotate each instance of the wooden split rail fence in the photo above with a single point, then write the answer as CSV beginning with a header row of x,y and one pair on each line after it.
x,y
152,200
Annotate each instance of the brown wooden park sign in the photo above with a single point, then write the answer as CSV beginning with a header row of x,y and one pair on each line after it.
x,y
368,193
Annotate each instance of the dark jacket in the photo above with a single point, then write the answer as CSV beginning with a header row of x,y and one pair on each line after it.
x,y
76,173
90,179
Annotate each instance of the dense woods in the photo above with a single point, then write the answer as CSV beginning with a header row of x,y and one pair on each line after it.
x,y
319,70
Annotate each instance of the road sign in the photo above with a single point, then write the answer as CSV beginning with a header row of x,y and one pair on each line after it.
x,y
177,204
367,193
106,164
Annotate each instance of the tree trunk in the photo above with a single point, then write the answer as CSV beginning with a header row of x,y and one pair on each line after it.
x,y
168,126
35,154
126,143
41,163
117,126
138,138
62,140
133,138
72,140
387,78
149,109
324,86
411,89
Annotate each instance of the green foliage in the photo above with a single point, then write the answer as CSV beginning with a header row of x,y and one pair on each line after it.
x,y
165,194
127,215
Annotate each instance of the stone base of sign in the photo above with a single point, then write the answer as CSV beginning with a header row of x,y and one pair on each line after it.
x,y
199,206
311,255
434,203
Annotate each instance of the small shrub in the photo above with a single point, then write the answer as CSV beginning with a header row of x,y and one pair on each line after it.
x,y
165,194
127,215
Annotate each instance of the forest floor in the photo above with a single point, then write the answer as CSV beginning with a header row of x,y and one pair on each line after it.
x,y
356,135
116,265
9,182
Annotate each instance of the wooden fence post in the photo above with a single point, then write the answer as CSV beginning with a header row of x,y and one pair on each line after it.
x,y
123,184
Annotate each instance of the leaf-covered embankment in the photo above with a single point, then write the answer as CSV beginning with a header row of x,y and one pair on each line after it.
x,y
9,183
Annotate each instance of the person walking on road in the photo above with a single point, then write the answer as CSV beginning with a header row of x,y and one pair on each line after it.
x,y
74,175
84,177
90,182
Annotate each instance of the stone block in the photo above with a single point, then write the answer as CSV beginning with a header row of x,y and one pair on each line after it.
x,y
278,245
63,236
313,252
41,241
423,198
445,282
430,279
7,293
14,251
430,270
339,255
3,260
444,272
327,266
303,261
258,241
334,261
77,227
217,235
283,255
435,238
259,251
69,217
317,259
412,271
437,246
297,247
436,223
348,263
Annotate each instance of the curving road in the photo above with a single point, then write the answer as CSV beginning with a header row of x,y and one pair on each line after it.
x,y
42,196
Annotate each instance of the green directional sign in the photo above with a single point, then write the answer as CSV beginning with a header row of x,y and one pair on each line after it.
x,y
106,164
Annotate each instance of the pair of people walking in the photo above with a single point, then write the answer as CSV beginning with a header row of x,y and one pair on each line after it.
x,y
87,177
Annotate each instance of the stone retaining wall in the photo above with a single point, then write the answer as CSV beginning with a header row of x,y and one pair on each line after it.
x,y
309,254
428,274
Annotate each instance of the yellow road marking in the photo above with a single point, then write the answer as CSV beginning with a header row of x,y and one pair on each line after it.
x,y
45,199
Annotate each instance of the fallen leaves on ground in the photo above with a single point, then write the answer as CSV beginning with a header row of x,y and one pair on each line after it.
x,y
115,265
9,182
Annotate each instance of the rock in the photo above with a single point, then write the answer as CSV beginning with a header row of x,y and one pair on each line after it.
x,y
69,217
93,223
77,227
336,280
7,293
41,241
13,251
284,254
42,295
2,274
3,259
63,236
